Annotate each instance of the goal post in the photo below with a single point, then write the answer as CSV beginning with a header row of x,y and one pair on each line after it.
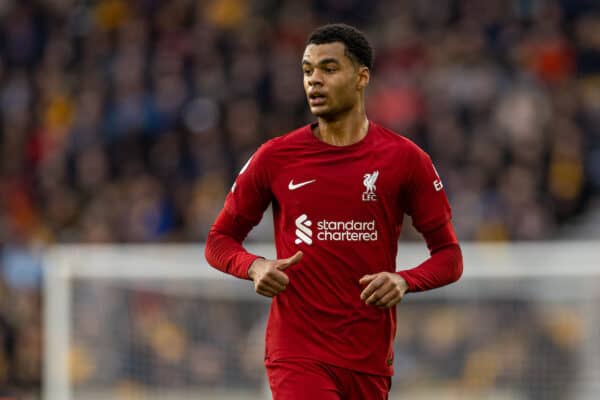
x,y
156,322
160,269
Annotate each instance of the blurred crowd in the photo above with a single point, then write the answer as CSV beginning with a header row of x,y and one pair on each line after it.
x,y
127,121
166,339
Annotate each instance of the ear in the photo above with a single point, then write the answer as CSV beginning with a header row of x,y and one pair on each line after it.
x,y
363,77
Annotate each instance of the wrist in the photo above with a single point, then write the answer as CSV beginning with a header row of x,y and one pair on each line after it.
x,y
252,267
402,282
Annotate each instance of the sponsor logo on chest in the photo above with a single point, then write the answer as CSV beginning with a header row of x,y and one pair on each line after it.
x,y
335,231
350,230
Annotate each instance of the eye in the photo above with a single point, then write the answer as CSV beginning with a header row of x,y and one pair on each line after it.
x,y
307,72
329,70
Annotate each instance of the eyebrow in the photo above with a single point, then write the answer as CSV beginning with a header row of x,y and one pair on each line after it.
x,y
322,62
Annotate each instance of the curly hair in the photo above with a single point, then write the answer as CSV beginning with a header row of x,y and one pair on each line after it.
x,y
358,48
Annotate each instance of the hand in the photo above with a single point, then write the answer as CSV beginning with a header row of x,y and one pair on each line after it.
x,y
268,276
383,290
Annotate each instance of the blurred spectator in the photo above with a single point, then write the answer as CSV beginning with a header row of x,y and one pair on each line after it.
x,y
101,96
127,121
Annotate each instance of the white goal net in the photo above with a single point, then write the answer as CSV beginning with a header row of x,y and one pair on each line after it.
x,y
156,322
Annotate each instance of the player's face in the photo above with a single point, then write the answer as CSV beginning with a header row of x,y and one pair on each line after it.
x,y
332,82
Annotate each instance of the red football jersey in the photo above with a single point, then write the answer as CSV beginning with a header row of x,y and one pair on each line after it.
x,y
343,207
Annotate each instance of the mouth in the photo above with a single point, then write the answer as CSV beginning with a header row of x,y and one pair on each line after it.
x,y
316,99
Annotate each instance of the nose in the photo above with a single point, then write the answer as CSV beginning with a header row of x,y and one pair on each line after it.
x,y
315,78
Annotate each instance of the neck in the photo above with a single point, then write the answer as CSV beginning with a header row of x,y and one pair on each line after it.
x,y
349,129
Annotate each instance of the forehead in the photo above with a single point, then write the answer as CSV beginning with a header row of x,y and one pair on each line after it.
x,y
314,53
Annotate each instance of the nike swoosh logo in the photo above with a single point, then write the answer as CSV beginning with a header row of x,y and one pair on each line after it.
x,y
294,186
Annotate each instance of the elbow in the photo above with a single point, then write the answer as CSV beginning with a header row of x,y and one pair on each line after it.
x,y
457,271
209,246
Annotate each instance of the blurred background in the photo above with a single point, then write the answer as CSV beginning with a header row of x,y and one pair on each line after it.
x,y
127,121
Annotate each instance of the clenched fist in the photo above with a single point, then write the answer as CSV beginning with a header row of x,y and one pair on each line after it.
x,y
383,290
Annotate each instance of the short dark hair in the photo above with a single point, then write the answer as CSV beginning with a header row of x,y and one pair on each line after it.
x,y
358,48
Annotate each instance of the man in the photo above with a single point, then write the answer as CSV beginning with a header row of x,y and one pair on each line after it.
x,y
339,190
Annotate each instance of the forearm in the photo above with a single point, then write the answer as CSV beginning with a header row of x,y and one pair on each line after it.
x,y
224,249
441,268
444,266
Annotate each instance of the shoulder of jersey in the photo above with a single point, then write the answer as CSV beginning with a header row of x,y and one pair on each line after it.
x,y
292,138
396,140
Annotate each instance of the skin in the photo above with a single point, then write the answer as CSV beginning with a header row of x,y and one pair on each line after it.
x,y
335,89
329,72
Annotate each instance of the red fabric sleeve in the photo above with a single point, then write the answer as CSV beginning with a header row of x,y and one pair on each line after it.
x,y
244,206
427,201
224,249
443,267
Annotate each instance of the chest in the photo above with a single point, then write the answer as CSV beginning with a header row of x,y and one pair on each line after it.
x,y
340,186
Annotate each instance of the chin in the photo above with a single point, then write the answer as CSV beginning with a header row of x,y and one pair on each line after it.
x,y
321,112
